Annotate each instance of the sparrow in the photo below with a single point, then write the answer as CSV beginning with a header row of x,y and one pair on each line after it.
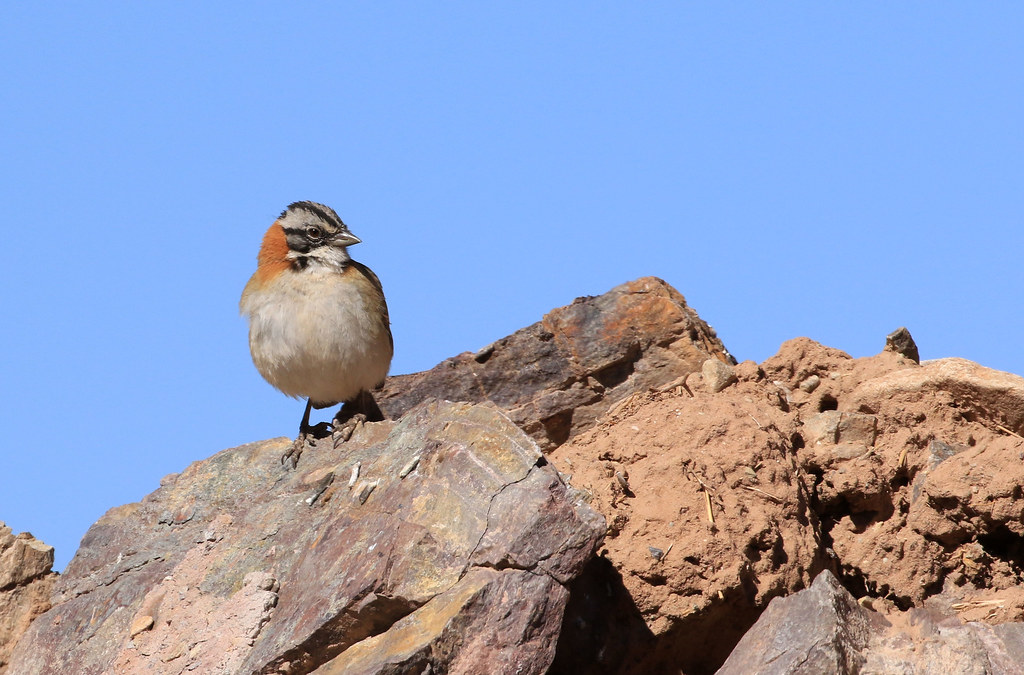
x,y
318,321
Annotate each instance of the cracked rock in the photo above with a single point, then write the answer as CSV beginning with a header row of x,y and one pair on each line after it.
x,y
485,539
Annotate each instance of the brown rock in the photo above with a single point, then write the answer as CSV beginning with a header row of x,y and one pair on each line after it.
x,y
910,519
26,582
556,377
714,524
717,375
238,565
479,622
974,495
900,511
974,390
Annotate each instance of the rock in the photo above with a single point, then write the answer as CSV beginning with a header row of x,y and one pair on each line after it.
x,y
445,542
479,622
818,631
900,342
971,388
898,530
717,375
713,485
938,644
26,582
823,630
558,376
832,427
810,383
938,452
974,495
238,565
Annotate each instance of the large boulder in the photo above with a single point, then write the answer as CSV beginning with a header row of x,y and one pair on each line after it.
x,y
443,541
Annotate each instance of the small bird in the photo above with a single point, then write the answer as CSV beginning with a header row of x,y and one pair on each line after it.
x,y
318,321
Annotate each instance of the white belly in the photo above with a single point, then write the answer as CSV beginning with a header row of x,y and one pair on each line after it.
x,y
327,345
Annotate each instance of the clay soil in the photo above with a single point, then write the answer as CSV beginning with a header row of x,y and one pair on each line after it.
x,y
903,479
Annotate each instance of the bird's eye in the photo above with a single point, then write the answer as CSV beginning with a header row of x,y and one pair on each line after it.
x,y
314,232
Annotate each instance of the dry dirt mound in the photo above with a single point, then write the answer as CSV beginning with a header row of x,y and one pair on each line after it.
x,y
903,479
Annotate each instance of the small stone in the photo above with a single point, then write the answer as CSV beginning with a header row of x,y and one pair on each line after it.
x,y
409,467
901,342
810,383
832,426
140,624
364,489
717,375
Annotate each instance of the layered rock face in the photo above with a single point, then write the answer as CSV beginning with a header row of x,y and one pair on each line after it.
x,y
609,493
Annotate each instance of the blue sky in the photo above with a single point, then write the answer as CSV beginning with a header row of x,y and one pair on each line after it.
x,y
830,170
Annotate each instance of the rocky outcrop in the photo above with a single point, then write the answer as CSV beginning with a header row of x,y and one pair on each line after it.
x,y
901,479
444,541
26,582
812,513
558,376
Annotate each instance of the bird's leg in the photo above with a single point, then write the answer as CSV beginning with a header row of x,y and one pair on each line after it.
x,y
306,433
362,408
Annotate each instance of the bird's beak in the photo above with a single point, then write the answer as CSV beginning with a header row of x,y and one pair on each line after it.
x,y
344,239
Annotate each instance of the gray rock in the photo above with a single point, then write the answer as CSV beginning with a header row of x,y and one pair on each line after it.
x,y
901,342
823,631
810,383
818,631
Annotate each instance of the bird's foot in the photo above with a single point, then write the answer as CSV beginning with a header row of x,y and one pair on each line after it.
x,y
343,429
292,456
307,435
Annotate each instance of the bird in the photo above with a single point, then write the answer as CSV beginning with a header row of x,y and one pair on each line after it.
x,y
318,321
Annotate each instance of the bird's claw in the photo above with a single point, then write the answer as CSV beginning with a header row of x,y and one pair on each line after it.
x,y
294,452
342,431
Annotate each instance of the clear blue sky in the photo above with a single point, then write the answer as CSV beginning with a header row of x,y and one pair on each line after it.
x,y
795,169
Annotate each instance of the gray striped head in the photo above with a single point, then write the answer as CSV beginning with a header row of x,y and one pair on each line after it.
x,y
316,235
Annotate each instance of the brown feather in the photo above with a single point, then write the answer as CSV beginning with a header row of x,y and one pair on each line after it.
x,y
273,256
380,304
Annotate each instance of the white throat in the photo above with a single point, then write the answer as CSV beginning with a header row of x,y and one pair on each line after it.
x,y
334,257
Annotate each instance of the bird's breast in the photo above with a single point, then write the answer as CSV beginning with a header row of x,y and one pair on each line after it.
x,y
318,333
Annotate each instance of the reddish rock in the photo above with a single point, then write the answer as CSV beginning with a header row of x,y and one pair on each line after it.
x,y
556,377
26,582
239,565
919,496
